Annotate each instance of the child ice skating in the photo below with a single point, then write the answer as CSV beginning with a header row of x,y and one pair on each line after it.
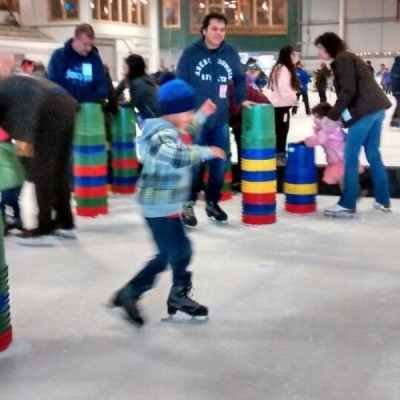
x,y
331,136
9,198
165,184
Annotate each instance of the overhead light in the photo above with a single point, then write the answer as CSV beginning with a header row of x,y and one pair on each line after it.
x,y
92,5
264,6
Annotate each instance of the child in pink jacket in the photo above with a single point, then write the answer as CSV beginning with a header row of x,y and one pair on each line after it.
x,y
9,198
282,89
331,136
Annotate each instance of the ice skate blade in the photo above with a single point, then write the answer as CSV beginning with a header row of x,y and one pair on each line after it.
x,y
119,313
190,227
185,320
216,222
340,215
45,241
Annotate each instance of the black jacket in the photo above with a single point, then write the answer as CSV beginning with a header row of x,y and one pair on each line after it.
x,y
356,89
143,94
25,101
395,73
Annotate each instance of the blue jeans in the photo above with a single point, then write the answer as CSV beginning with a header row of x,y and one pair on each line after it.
x,y
217,136
365,133
174,248
10,199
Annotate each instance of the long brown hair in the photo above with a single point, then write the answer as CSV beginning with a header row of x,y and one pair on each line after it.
x,y
285,59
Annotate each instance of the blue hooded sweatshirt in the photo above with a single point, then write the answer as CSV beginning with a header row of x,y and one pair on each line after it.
x,y
82,76
304,79
209,73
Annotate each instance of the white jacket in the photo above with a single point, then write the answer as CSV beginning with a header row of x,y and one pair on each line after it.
x,y
282,94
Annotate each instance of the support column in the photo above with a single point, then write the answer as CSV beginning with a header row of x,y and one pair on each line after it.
x,y
154,61
85,12
342,13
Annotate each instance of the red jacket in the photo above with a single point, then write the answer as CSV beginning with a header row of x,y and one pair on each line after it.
x,y
235,109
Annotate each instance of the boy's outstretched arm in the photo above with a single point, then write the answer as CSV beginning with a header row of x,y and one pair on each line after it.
x,y
163,148
207,109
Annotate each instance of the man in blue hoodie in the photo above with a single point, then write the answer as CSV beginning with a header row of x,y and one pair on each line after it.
x,y
209,65
78,68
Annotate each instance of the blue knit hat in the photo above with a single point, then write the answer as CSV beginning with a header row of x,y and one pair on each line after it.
x,y
175,97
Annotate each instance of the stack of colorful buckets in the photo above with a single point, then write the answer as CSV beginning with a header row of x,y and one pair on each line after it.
x,y
5,317
124,161
90,162
301,179
259,165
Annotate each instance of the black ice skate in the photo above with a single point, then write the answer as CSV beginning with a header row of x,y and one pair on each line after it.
x,y
188,216
129,304
179,300
215,212
395,123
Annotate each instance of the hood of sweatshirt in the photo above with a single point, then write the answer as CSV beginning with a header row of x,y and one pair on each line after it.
x,y
150,128
82,76
72,53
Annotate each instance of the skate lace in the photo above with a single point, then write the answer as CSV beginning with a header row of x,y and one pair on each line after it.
x,y
188,293
189,211
218,208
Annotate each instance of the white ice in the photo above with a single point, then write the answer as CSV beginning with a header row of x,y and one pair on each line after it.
x,y
306,309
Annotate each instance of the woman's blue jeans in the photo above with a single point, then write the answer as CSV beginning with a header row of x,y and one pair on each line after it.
x,y
365,133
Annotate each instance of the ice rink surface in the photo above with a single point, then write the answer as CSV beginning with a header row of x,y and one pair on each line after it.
x,y
306,309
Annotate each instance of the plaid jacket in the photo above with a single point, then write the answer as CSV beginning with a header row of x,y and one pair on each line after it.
x,y
165,181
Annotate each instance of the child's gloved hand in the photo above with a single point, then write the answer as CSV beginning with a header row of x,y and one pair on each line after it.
x,y
218,152
208,108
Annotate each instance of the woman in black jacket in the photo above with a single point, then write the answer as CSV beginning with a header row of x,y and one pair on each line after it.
x,y
395,74
142,89
361,105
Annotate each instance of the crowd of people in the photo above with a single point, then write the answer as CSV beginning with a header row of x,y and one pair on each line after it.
x,y
185,116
